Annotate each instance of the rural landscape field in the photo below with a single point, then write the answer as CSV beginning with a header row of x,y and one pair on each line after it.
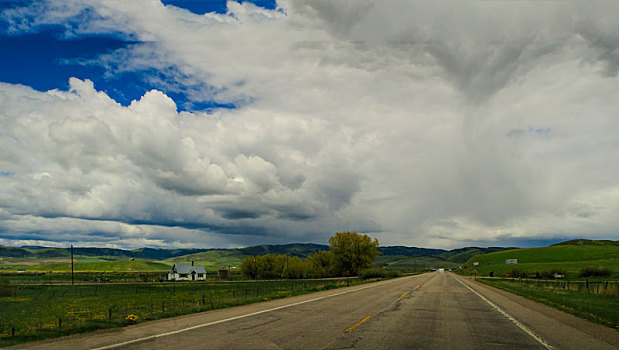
x,y
39,299
309,174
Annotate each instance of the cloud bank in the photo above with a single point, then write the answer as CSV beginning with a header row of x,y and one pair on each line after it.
x,y
423,123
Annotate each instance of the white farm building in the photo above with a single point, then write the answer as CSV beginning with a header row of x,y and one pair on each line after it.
x,y
187,272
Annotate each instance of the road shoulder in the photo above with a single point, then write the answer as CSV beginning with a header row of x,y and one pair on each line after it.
x,y
559,328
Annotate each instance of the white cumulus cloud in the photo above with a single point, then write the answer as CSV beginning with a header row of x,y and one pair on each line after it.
x,y
425,123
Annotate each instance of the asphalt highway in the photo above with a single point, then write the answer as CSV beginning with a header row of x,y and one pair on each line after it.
x,y
431,311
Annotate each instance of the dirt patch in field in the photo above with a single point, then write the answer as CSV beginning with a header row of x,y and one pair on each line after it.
x,y
59,261
20,263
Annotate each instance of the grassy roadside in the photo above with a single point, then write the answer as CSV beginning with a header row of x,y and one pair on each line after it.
x,y
601,309
38,312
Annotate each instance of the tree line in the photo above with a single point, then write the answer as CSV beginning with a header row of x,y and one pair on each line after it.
x,y
349,253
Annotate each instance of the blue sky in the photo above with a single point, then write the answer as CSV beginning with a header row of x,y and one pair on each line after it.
x,y
44,58
218,124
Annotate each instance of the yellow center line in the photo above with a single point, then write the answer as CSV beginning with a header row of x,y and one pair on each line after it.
x,y
357,324
403,295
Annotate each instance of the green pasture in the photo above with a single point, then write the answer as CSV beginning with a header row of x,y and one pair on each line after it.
x,y
102,266
552,254
568,258
81,277
570,268
31,312
212,260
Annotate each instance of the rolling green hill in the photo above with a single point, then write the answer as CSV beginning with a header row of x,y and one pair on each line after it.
x,y
301,250
567,257
589,242
401,262
462,255
213,259
409,251
101,259
218,258
422,258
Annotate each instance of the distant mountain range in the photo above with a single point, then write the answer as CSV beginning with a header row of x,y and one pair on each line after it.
x,y
395,257
295,249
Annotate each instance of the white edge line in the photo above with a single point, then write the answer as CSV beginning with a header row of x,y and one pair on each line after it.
x,y
112,346
509,317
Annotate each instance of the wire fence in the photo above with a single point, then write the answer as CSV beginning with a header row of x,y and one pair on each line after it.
x,y
608,288
47,310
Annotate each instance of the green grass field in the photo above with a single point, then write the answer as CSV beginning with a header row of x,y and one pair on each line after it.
x,y
593,298
212,260
569,258
38,311
103,266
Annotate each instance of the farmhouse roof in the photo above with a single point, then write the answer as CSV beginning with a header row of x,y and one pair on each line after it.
x,y
187,268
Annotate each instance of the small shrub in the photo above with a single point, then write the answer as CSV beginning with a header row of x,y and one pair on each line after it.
x,y
392,273
378,273
6,290
372,273
517,273
594,272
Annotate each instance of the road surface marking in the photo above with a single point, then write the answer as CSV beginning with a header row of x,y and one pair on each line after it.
x,y
403,295
112,346
509,317
357,324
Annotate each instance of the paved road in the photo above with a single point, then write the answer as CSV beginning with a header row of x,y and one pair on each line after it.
x,y
431,311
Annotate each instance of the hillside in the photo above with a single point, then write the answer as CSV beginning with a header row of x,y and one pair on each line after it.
x,y
567,257
408,251
301,250
422,258
218,258
602,242
213,259
108,259
106,253
462,255
14,252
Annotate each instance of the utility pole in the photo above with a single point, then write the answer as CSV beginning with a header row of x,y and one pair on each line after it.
x,y
71,264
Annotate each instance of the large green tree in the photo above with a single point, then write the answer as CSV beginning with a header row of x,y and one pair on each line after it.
x,y
352,252
268,266
319,264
